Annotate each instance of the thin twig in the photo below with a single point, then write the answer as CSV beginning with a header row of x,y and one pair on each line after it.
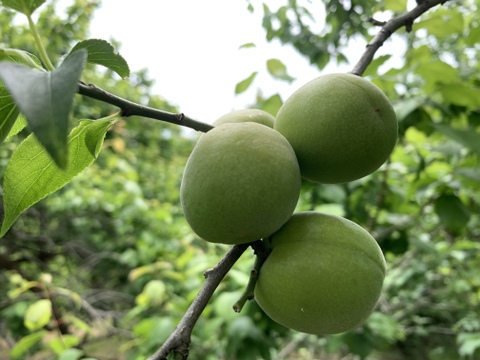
x,y
388,29
261,252
130,108
179,340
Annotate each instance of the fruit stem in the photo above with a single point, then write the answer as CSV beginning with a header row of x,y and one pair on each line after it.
x,y
261,250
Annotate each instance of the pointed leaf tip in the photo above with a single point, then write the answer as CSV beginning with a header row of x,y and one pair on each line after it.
x,y
45,98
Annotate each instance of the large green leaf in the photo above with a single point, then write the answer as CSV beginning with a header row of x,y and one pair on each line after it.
x,y
102,53
45,98
468,138
31,174
26,7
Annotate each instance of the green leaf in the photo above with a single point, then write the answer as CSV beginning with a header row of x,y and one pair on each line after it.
x,y
38,314
386,327
453,214
18,126
396,5
26,7
26,343
12,294
245,84
21,57
152,294
372,68
71,354
461,94
278,70
8,113
404,107
469,344
442,22
272,104
45,98
247,45
103,53
60,344
31,174
8,109
468,138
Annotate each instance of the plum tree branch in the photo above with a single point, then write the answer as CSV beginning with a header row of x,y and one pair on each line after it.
x,y
178,342
389,28
130,108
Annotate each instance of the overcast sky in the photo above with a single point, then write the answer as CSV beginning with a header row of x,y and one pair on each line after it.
x,y
191,49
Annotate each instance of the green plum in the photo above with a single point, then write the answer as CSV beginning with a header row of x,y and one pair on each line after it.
x,y
341,126
323,276
241,183
246,115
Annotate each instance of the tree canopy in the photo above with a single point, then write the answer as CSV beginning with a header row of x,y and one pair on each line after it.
x,y
97,260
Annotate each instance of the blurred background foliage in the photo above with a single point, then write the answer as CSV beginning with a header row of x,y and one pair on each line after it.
x,y
106,267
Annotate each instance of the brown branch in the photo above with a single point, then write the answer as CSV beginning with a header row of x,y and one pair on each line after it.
x,y
178,342
130,108
389,28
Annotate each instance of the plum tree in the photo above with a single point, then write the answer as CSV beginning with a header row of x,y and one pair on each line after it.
x,y
241,183
341,126
323,276
246,115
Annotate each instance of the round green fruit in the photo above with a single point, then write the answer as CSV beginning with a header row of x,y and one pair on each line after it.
x,y
241,183
323,276
246,115
341,126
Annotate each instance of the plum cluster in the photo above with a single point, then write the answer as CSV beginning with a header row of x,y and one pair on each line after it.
x,y
242,182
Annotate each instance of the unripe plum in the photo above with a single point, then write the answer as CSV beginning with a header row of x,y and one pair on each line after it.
x,y
341,126
323,276
246,115
241,183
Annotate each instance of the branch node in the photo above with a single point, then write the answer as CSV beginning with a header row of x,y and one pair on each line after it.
x,y
376,22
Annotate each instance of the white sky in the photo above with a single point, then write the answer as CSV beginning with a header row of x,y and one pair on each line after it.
x,y
191,50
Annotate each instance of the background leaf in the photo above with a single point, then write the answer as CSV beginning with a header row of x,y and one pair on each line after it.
x,y
247,45
31,174
102,52
26,7
46,99
453,214
468,138
38,314
245,83
278,70
26,343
